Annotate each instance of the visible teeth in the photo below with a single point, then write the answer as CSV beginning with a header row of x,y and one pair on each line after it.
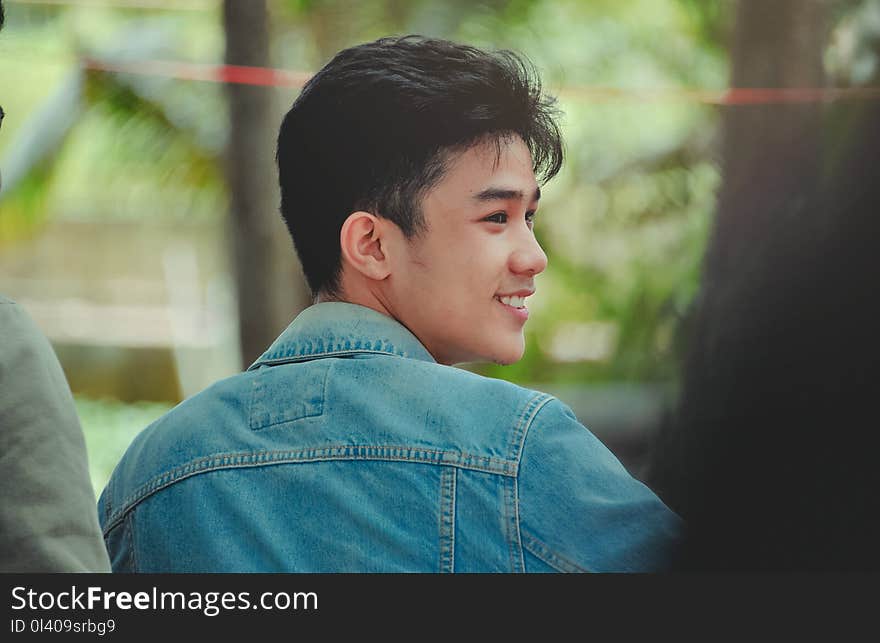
x,y
516,302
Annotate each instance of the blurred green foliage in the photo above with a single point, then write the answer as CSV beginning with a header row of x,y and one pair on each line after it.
x,y
109,428
624,224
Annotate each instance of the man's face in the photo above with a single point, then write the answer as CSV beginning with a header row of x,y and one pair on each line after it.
x,y
452,285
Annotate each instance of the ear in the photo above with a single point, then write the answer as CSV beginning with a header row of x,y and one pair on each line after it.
x,y
361,239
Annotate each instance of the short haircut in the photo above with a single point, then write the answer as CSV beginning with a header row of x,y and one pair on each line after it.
x,y
374,128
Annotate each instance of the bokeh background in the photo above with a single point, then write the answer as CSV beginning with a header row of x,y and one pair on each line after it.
x,y
138,211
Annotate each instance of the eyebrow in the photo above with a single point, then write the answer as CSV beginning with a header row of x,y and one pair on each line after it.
x,y
503,194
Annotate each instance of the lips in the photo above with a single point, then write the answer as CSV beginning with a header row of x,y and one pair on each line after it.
x,y
516,302
515,299
519,313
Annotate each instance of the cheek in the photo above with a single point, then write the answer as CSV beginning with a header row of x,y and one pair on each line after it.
x,y
447,271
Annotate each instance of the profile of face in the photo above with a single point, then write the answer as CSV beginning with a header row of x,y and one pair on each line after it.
x,y
461,285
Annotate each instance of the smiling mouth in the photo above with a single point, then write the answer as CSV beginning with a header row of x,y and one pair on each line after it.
x,y
513,302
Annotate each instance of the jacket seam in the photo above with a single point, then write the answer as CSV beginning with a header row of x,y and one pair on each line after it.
x,y
243,460
107,498
447,519
277,361
514,544
259,420
519,540
128,534
558,562
522,430
525,423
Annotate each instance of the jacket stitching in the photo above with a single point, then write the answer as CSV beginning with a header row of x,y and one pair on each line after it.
x,y
275,361
106,499
525,423
514,546
447,519
519,435
519,541
258,419
128,534
555,560
514,438
256,392
390,453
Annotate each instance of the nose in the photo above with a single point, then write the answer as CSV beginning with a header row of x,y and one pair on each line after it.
x,y
528,258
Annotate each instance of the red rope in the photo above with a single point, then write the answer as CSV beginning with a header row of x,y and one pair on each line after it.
x,y
194,71
266,76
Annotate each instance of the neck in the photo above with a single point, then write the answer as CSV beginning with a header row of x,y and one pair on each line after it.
x,y
360,296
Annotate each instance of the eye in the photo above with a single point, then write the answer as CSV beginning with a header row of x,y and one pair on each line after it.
x,y
530,218
498,217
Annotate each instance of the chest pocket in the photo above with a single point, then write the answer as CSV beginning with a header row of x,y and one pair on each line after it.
x,y
288,392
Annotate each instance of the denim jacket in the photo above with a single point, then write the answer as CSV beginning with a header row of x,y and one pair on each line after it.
x,y
347,448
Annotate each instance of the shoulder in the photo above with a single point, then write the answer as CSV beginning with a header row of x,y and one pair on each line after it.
x,y
26,351
371,407
449,408
469,385
44,457
12,312
193,437
580,509
30,374
18,330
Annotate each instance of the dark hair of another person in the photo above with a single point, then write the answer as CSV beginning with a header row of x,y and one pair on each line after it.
x,y
374,129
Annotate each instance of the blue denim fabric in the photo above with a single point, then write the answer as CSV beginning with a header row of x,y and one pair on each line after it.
x,y
347,448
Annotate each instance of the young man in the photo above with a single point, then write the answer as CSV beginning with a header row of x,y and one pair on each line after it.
x,y
407,170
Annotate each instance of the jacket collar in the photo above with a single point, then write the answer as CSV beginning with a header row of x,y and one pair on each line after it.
x,y
338,329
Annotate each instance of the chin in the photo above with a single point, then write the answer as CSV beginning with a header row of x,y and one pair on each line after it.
x,y
501,353
508,355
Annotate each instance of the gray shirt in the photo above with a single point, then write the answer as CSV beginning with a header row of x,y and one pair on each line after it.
x,y
48,517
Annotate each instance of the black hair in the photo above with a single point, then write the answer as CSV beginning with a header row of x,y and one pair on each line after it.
x,y
374,129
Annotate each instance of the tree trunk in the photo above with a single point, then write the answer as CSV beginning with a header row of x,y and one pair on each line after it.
x,y
269,281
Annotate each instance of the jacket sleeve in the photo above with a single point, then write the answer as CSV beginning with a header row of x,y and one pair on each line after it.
x,y
580,510
48,518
